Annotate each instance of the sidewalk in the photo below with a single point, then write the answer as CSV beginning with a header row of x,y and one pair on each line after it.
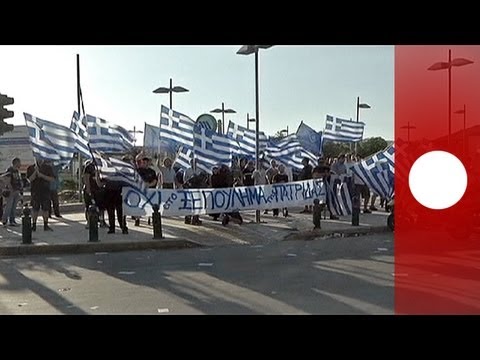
x,y
70,235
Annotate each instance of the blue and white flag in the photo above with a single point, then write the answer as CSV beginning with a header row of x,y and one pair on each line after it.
x,y
176,128
211,149
50,141
112,169
106,137
377,172
339,198
184,157
79,128
154,143
246,139
309,138
288,151
337,129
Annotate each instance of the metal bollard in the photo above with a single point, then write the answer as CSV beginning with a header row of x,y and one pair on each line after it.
x,y
317,214
93,214
26,225
157,222
356,210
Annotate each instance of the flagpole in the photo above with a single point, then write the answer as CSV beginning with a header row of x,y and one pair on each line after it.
x,y
79,93
159,135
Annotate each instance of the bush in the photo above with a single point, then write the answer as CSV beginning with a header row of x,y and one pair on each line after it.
x,y
69,184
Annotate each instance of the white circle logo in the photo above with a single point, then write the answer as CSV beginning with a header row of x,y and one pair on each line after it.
x,y
438,180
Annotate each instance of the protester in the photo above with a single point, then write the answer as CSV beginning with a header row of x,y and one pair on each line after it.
x,y
40,175
12,192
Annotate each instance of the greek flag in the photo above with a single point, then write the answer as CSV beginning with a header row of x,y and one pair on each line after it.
x,y
112,169
309,138
337,129
377,172
176,128
152,141
403,159
246,139
211,149
287,151
338,195
79,128
184,157
50,141
106,137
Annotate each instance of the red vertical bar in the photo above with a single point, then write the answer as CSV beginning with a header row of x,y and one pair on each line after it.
x,y
437,252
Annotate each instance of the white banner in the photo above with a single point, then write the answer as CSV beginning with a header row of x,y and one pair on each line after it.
x,y
211,201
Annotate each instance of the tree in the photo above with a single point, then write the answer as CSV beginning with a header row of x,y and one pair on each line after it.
x,y
334,149
370,146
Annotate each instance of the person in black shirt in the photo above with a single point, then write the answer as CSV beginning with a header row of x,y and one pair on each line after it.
x,y
113,202
280,177
13,189
40,176
92,192
248,174
306,174
148,175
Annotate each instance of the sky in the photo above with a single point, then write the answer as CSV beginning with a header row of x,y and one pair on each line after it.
x,y
297,83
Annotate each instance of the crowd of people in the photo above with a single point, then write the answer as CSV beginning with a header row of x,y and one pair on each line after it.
x,y
43,179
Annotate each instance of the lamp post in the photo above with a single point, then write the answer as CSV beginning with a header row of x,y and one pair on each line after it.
x,y
448,65
135,132
408,127
248,50
170,90
249,120
464,112
223,111
360,106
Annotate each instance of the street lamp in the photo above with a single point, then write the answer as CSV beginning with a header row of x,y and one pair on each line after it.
x,y
408,127
134,132
223,111
248,50
448,65
249,120
170,90
360,106
464,112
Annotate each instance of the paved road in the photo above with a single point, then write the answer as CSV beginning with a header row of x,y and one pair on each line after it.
x,y
326,276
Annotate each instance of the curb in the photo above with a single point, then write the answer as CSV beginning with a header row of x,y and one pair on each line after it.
x,y
44,249
358,231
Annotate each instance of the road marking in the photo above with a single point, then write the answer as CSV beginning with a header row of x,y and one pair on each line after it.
x,y
205,264
162,311
126,272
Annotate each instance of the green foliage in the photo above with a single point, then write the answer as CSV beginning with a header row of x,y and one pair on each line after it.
x,y
370,146
69,184
365,148
334,149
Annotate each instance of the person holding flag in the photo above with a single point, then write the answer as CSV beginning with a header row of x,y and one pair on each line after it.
x,y
40,176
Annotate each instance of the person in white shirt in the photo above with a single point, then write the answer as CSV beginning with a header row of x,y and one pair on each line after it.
x,y
259,177
166,175
191,171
